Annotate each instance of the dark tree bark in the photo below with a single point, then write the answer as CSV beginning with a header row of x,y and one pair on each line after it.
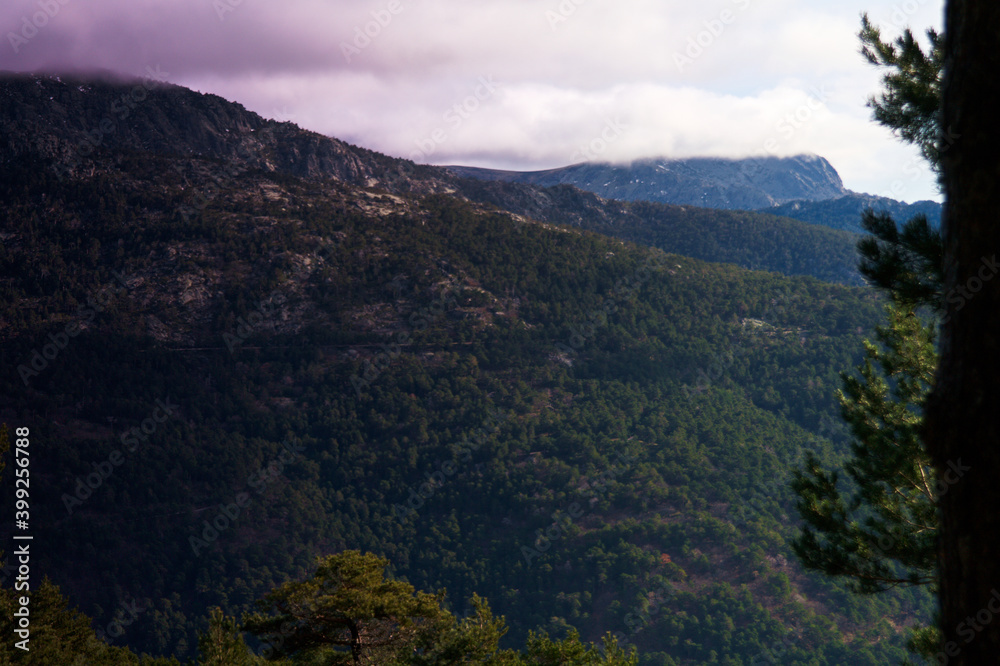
x,y
963,414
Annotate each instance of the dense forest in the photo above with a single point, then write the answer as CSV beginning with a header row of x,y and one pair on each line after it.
x,y
591,434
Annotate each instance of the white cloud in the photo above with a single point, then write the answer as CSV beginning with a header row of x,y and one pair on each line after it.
x,y
566,69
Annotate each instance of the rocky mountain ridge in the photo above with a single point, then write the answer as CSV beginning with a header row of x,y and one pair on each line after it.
x,y
804,187
707,182
83,126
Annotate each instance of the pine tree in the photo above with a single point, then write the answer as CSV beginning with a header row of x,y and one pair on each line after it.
x,y
879,530
910,101
223,643
60,634
543,651
351,612
474,640
349,603
906,262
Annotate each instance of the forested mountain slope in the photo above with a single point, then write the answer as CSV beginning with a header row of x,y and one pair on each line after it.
x,y
845,212
587,432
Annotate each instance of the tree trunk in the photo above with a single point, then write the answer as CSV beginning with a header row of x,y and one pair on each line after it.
x,y
963,414
355,641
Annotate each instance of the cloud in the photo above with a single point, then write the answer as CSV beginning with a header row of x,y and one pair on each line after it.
x,y
712,78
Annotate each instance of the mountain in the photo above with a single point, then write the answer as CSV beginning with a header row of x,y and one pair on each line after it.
x,y
239,345
79,123
845,212
747,184
74,118
805,187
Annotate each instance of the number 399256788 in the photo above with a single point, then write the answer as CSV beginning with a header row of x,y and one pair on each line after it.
x,y
22,473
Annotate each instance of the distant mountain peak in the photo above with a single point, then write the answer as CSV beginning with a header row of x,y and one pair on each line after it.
x,y
710,182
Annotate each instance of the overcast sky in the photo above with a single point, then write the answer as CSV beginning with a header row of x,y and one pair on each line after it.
x,y
522,84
